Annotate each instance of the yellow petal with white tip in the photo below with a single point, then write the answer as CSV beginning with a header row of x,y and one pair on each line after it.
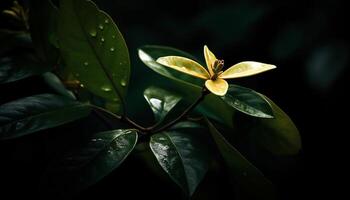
x,y
218,87
247,68
209,59
184,65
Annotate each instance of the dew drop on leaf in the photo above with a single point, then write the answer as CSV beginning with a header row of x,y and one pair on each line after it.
x,y
106,88
93,33
123,83
102,39
82,85
113,36
106,21
86,63
111,49
100,27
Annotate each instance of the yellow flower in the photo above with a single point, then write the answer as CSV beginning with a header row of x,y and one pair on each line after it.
x,y
214,76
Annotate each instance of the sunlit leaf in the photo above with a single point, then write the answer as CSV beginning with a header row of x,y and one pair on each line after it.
x,y
248,101
93,49
150,53
247,68
35,113
218,87
184,65
87,165
250,181
18,67
160,101
182,157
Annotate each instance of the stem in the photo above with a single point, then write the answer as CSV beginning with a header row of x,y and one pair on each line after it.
x,y
122,118
186,111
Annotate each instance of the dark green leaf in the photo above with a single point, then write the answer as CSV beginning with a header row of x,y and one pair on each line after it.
x,y
182,156
279,135
251,182
93,49
31,114
85,166
43,22
55,83
149,54
160,101
248,101
11,41
18,67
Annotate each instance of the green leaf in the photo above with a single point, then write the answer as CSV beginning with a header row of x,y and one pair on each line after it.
x,y
18,67
182,157
11,41
248,101
250,181
43,22
150,53
279,135
55,83
161,101
35,113
87,165
94,49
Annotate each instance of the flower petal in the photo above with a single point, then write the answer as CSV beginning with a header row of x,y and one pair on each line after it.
x,y
218,87
184,65
246,68
209,59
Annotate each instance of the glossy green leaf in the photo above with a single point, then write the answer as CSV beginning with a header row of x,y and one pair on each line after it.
x,y
93,49
248,101
43,22
18,67
250,181
55,83
160,101
182,157
87,165
150,53
35,113
279,135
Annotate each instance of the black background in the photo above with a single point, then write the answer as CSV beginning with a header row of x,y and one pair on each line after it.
x,y
308,42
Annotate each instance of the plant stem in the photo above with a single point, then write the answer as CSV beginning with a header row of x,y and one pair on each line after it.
x,y
185,112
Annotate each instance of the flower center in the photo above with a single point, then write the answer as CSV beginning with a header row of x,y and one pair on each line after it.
x,y
217,68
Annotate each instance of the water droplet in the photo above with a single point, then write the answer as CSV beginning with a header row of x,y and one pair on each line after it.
x,y
106,21
82,85
93,140
100,27
102,39
115,99
86,63
123,83
106,88
93,33
111,49
121,63
113,36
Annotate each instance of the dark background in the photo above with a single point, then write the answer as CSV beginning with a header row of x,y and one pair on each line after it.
x,y
308,42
